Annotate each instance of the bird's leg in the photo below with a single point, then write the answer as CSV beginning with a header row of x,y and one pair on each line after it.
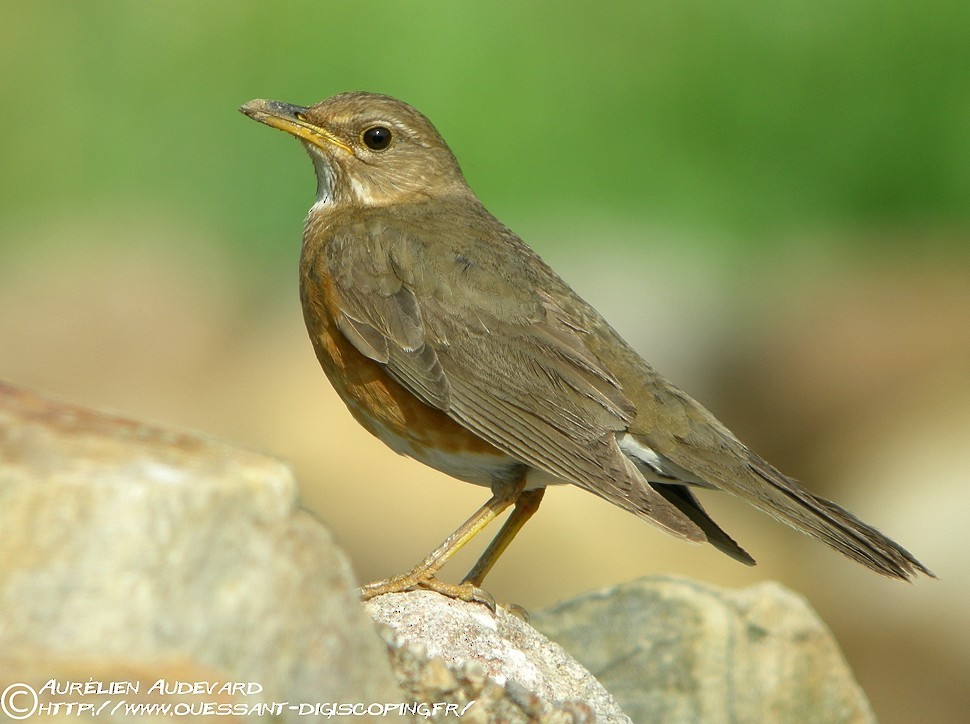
x,y
525,507
423,574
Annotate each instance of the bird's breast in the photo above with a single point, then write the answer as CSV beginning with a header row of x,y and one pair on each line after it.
x,y
381,405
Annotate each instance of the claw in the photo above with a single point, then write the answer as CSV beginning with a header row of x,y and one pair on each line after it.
x,y
516,610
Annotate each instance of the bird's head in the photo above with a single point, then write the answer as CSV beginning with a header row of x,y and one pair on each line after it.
x,y
367,149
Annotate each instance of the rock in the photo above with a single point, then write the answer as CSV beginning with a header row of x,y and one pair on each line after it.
x,y
131,553
138,564
453,651
671,649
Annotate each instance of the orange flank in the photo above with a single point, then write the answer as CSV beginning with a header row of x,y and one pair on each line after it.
x,y
381,405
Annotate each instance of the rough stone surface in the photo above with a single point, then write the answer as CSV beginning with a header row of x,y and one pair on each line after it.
x,y
447,650
134,553
674,650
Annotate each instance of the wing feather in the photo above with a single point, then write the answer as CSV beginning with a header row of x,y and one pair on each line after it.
x,y
478,342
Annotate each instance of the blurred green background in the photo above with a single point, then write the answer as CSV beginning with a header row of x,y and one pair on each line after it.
x,y
770,199
737,123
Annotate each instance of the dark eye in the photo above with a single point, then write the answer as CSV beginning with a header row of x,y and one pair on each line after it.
x,y
377,138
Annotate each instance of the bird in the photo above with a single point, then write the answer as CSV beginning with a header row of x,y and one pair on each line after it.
x,y
454,343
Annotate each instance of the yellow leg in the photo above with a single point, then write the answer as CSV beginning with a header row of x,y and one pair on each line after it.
x,y
525,506
423,574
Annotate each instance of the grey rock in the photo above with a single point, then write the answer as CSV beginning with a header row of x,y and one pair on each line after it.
x,y
448,650
674,650
134,553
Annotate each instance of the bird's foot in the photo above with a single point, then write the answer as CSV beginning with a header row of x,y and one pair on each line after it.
x,y
413,582
516,610
461,591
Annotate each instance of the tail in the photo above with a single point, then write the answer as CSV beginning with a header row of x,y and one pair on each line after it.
x,y
822,519
682,497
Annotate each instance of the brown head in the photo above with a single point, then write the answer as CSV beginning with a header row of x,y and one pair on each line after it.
x,y
367,149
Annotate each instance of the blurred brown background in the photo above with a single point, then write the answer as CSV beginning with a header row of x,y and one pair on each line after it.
x,y
770,202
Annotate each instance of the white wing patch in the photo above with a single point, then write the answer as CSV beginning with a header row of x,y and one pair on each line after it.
x,y
654,466
637,451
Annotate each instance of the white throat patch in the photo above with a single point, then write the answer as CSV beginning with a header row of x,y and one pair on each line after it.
x,y
325,176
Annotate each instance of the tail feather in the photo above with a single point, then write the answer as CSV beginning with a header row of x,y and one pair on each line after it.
x,y
834,525
682,497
